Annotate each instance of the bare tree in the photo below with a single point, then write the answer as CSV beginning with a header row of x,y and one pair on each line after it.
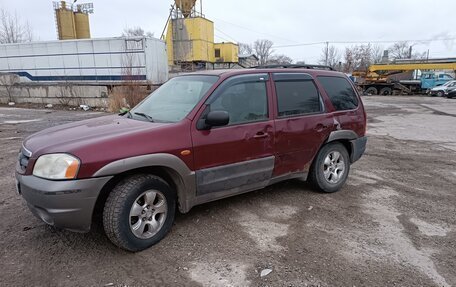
x,y
377,54
136,31
279,60
263,49
245,49
400,50
404,50
301,62
329,56
360,57
12,30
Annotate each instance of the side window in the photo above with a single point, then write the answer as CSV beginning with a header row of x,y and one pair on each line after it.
x,y
340,92
296,95
245,100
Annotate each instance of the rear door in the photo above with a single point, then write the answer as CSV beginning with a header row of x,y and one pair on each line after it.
x,y
301,122
240,156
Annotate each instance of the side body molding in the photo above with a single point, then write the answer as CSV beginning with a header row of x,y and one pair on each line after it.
x,y
183,177
342,135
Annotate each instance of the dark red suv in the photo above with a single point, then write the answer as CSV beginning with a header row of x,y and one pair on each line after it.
x,y
198,138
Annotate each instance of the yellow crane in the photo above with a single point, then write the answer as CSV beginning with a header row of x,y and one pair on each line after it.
x,y
384,79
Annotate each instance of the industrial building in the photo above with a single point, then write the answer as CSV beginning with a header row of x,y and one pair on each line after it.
x,y
190,40
105,61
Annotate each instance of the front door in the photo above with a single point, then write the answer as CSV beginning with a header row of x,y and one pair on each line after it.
x,y
237,157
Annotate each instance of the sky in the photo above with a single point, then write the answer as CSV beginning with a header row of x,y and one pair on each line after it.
x,y
289,22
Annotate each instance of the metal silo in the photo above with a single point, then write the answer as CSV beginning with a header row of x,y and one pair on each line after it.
x,y
66,27
82,25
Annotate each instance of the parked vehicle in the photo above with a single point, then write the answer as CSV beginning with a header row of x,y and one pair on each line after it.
x,y
198,138
404,78
451,93
439,91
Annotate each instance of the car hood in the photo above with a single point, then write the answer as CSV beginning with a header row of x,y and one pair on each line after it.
x,y
439,88
67,137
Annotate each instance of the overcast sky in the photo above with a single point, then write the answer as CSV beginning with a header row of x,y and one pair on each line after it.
x,y
286,22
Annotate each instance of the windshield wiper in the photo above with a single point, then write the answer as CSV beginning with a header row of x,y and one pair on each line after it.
x,y
149,118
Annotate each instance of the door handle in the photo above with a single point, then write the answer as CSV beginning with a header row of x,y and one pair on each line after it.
x,y
260,135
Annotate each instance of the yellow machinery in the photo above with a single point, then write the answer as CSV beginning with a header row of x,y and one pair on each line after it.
x,y
384,79
190,40
72,22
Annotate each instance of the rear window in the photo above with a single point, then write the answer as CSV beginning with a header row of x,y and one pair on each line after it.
x,y
340,92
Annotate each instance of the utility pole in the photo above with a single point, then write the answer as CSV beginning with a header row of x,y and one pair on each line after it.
x,y
326,54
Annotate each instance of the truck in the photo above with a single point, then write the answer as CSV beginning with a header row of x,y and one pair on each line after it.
x,y
404,78
102,61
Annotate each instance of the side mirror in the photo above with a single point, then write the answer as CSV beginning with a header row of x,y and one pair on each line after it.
x,y
217,119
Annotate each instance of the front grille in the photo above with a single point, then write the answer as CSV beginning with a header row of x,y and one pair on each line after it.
x,y
23,160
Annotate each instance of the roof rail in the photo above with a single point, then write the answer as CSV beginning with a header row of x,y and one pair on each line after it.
x,y
296,66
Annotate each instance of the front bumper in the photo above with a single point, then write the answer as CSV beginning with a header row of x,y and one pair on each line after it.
x,y
65,204
358,148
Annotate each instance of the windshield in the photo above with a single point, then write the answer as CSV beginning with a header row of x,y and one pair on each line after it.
x,y
174,99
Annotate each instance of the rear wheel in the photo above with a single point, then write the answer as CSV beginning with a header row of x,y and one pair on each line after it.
x,y
440,94
371,91
386,91
330,168
139,212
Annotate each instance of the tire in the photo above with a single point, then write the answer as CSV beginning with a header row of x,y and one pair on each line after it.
x,y
371,91
320,169
386,91
139,212
440,94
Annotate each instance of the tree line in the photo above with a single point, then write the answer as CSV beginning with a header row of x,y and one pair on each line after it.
x,y
353,58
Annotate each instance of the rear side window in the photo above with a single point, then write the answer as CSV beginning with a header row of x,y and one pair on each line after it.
x,y
340,92
296,95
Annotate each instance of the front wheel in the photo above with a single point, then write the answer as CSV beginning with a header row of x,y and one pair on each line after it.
x,y
139,212
440,94
330,168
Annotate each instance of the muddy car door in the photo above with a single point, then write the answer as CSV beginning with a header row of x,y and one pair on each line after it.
x,y
301,122
238,156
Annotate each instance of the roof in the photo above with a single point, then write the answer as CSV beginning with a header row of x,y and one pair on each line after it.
x,y
248,56
232,72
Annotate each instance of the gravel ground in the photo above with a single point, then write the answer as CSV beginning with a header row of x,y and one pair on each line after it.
x,y
393,224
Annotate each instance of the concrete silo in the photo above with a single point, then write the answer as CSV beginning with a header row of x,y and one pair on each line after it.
x,y
72,22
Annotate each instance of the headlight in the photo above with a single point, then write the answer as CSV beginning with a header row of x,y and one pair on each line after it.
x,y
56,166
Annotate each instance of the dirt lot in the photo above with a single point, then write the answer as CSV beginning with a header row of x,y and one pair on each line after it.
x,y
393,224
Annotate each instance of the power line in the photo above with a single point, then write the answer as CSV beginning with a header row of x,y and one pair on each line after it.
x,y
222,38
232,39
362,42
251,30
